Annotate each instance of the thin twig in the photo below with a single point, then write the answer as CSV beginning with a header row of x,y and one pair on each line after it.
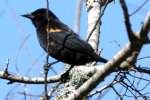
x,y
22,44
143,57
30,95
115,81
54,89
140,78
103,88
139,8
6,67
142,70
46,68
117,93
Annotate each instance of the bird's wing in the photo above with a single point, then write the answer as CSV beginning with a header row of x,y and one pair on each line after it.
x,y
72,41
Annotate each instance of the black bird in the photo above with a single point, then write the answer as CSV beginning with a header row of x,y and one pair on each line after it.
x,y
63,44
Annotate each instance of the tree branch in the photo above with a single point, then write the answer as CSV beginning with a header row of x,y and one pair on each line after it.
x,y
78,16
142,70
139,8
28,80
127,21
106,69
145,30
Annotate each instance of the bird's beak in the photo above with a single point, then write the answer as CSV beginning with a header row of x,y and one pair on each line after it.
x,y
30,16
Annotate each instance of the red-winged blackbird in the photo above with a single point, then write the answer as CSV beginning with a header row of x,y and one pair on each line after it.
x,y
64,45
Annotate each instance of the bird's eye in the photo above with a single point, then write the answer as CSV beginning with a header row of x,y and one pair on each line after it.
x,y
38,16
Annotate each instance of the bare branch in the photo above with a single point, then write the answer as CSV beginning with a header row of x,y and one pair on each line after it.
x,y
46,67
142,70
78,16
28,80
103,88
143,57
145,30
99,18
127,21
139,8
117,93
106,69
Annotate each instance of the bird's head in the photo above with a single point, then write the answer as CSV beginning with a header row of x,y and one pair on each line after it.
x,y
40,15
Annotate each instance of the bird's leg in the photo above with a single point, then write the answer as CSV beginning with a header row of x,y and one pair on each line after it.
x,y
47,66
52,63
65,75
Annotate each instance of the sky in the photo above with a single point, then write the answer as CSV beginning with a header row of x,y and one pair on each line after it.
x,y
19,43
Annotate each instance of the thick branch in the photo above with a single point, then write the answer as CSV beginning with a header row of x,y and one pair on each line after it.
x,y
94,20
102,73
111,65
28,80
94,25
78,16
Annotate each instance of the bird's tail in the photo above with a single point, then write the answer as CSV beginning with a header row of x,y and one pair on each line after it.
x,y
100,59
